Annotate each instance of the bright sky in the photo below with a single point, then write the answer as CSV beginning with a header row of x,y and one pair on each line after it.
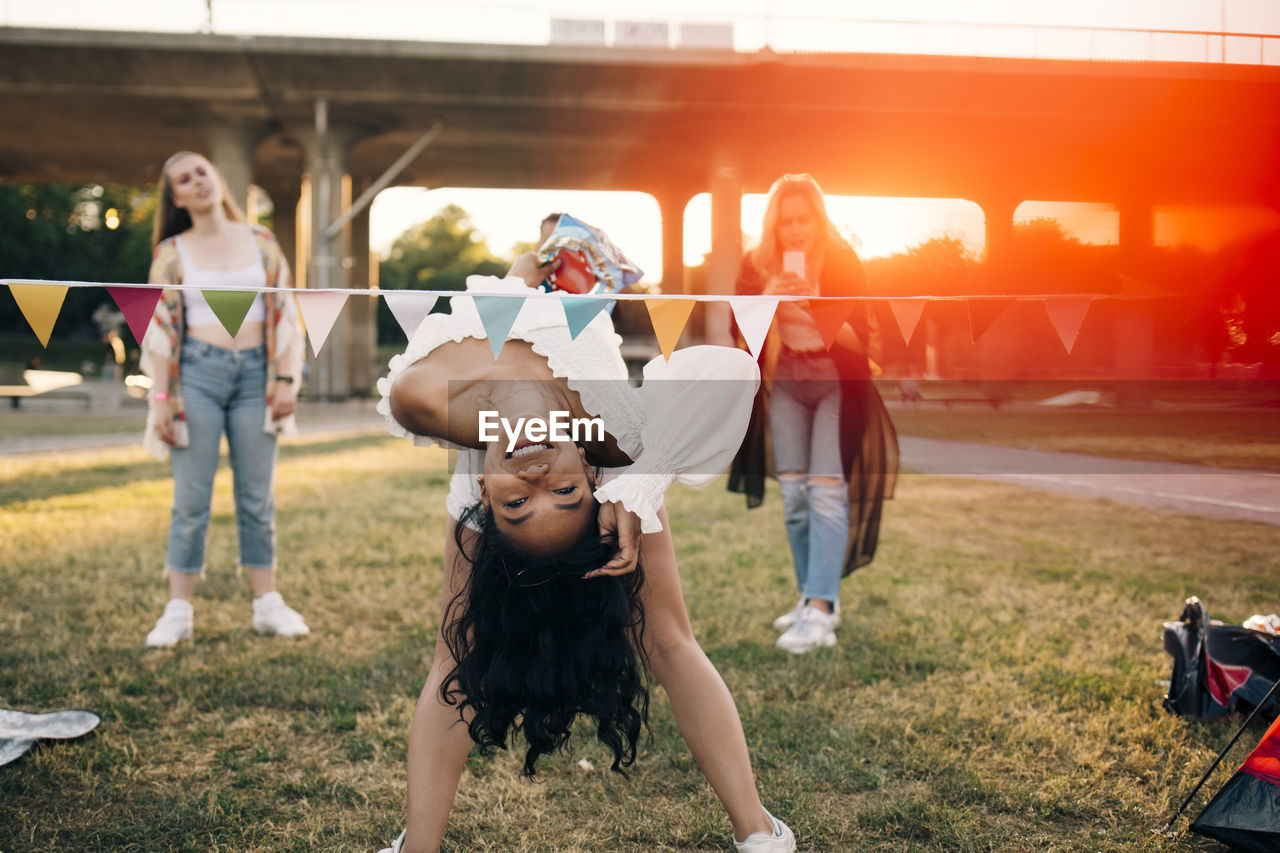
x,y
1034,28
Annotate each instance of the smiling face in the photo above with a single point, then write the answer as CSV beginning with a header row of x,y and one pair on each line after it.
x,y
194,185
539,494
797,225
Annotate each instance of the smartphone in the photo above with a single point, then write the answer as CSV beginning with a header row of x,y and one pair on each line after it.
x,y
793,262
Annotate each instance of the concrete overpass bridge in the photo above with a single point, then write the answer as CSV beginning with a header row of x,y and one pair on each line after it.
x,y
315,121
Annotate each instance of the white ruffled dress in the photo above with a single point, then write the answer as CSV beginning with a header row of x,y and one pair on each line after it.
x,y
684,431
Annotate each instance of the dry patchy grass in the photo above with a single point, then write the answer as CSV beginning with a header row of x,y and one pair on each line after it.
x,y
995,686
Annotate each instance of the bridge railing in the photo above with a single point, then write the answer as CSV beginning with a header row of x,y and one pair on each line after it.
x,y
680,24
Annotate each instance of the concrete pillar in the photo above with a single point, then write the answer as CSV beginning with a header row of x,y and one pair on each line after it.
x,y
998,213
1137,234
726,242
285,195
328,265
672,205
231,152
1135,335
362,311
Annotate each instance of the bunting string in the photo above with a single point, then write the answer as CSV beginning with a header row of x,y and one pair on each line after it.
x,y
40,301
698,297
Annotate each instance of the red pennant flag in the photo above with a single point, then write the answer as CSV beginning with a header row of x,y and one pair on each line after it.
x,y
138,304
984,312
829,315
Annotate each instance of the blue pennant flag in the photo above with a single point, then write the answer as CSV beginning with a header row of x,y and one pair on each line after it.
x,y
497,315
579,311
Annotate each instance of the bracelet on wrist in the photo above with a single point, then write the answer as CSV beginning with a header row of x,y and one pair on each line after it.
x,y
160,396
288,380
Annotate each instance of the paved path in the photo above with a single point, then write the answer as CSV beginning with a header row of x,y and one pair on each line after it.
x,y
314,419
1190,489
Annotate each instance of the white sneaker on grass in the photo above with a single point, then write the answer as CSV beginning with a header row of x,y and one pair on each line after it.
x,y
272,616
786,620
396,845
781,840
175,624
813,630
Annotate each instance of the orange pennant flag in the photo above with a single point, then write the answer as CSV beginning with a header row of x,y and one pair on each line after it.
x,y
668,317
40,304
829,315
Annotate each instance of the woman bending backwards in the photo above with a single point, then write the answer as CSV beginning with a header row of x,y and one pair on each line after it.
x,y
548,616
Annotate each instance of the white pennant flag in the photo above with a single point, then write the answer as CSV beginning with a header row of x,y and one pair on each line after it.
x,y
1066,313
907,312
754,315
410,308
320,308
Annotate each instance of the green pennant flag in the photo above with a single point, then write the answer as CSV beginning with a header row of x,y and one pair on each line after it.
x,y
230,307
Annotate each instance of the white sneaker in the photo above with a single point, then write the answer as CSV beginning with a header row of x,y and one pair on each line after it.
x,y
272,616
781,840
813,630
396,845
176,623
786,620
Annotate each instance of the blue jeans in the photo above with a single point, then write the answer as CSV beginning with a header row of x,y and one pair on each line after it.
x,y
224,392
804,419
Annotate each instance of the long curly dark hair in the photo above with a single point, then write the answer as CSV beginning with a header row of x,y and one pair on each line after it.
x,y
535,646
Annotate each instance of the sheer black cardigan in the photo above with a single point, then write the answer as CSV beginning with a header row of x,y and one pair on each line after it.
x,y
868,441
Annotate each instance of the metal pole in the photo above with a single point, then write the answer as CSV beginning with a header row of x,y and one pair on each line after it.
x,y
320,186
385,178
1221,755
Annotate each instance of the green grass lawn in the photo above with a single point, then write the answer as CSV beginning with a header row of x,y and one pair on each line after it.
x,y
995,687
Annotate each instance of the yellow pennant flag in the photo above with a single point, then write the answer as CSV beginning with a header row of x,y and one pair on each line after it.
x,y
668,317
40,304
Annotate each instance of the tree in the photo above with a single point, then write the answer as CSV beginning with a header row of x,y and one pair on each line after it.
x,y
438,254
72,232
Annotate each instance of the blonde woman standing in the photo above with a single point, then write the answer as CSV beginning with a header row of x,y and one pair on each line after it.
x,y
207,383
834,448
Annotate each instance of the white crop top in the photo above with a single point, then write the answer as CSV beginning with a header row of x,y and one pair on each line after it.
x,y
196,307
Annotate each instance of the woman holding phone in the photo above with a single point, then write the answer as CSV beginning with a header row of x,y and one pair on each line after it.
x,y
835,450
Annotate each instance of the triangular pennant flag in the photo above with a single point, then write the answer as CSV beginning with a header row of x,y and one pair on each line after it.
x,y
668,317
982,313
230,307
138,304
409,307
497,315
907,312
579,311
1066,313
40,304
829,315
754,316
320,308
